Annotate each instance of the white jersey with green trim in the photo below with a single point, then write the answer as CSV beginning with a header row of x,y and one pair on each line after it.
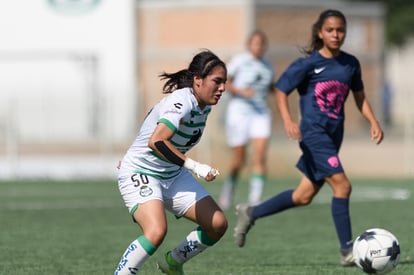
x,y
249,72
180,112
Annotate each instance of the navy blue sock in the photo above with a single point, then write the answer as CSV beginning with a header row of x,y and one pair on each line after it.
x,y
274,205
342,220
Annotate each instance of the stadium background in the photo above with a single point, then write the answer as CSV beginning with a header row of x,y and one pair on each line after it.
x,y
77,78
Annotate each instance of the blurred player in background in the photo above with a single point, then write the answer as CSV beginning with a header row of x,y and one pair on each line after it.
x,y
323,79
248,117
152,179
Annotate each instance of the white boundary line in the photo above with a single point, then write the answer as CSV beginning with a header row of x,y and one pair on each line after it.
x,y
359,194
39,205
366,194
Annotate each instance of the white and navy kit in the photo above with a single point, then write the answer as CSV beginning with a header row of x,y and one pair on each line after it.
x,y
323,85
144,175
248,118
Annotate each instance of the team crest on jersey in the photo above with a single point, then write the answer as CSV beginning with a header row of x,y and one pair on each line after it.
x,y
145,191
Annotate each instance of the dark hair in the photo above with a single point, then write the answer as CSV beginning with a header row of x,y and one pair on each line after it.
x,y
201,65
259,33
316,43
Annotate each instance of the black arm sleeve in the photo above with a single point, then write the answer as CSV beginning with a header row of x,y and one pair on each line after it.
x,y
167,153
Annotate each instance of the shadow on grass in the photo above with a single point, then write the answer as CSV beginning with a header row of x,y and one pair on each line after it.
x,y
406,262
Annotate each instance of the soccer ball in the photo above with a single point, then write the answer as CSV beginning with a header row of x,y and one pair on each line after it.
x,y
376,251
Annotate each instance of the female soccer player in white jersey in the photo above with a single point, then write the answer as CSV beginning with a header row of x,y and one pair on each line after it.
x,y
248,117
155,173
323,80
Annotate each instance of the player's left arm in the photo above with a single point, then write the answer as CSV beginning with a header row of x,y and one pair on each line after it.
x,y
365,108
159,142
163,133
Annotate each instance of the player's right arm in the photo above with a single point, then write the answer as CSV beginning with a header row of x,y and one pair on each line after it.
x,y
288,81
291,127
246,92
232,68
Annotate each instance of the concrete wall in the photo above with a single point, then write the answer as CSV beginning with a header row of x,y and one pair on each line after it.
x,y
77,80
66,74
170,32
289,23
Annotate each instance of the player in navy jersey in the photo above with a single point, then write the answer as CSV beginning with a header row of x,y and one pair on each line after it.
x,y
154,174
323,79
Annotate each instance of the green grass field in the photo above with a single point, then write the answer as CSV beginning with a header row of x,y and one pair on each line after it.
x,y
82,227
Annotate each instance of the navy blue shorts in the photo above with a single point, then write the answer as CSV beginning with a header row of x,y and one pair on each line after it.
x,y
320,150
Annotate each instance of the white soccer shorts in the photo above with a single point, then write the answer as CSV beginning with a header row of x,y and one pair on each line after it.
x,y
244,126
183,192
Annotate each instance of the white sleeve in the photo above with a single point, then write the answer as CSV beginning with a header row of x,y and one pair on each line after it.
x,y
174,108
232,66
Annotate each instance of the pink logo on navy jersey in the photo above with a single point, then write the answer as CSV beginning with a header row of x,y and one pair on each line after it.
x,y
330,97
333,162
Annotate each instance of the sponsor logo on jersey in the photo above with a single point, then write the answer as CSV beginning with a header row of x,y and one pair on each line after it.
x,y
178,105
319,70
172,111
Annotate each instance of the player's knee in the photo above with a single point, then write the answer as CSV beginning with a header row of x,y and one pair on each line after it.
x,y
220,225
303,201
156,235
343,190
238,164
